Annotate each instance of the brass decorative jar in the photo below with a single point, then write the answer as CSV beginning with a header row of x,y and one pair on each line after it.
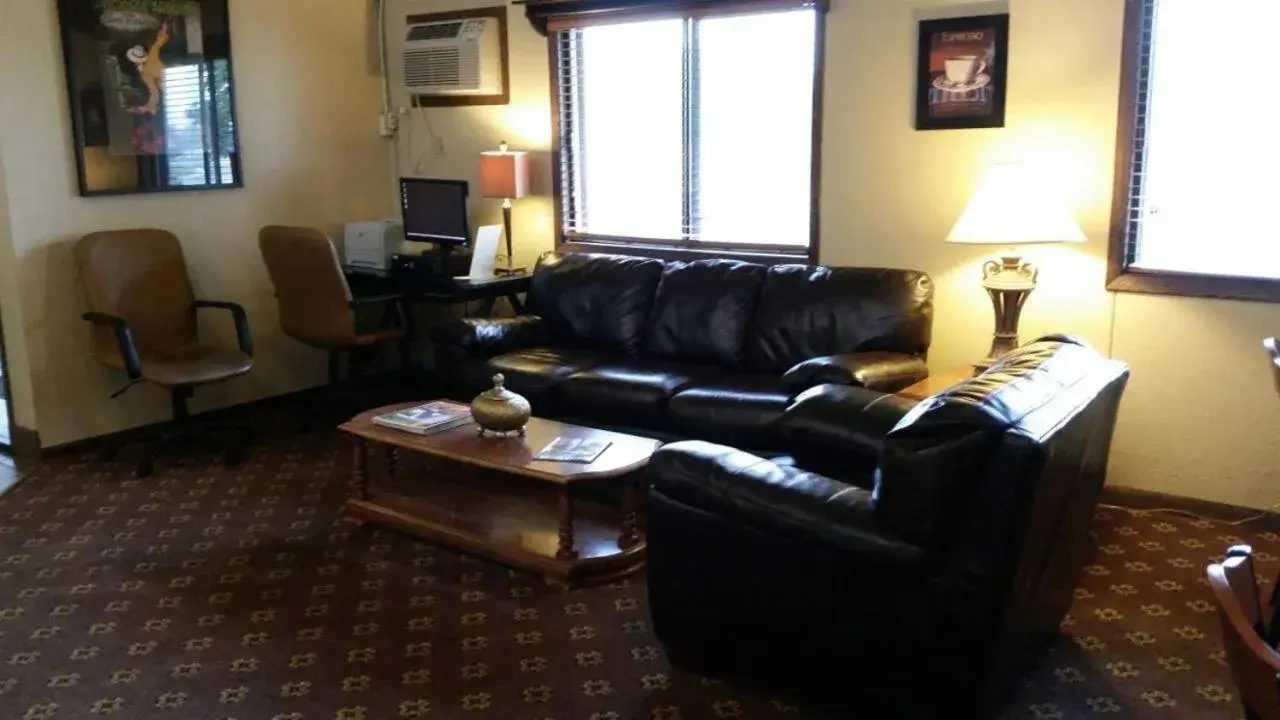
x,y
498,410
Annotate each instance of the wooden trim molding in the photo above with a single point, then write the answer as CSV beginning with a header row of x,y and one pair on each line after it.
x,y
686,253
24,442
549,15
1149,500
1121,276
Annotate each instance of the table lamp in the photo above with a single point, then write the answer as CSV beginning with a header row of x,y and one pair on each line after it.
x,y
1013,206
504,174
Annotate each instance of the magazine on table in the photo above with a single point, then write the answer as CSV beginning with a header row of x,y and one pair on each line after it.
x,y
428,418
574,450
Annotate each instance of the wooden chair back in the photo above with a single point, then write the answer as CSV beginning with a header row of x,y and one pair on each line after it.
x,y
1253,662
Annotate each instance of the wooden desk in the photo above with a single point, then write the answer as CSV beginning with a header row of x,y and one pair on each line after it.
x,y
937,382
487,292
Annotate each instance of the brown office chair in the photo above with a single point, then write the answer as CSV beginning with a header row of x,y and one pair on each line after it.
x,y
143,310
1254,663
315,303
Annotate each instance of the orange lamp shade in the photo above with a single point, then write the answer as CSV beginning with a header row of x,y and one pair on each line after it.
x,y
504,174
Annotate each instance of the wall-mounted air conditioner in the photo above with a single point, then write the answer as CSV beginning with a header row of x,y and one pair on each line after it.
x,y
433,57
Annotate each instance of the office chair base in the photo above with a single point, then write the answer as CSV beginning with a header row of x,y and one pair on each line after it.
x,y
184,430
235,450
344,397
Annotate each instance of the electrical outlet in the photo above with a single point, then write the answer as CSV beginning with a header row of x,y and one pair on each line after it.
x,y
388,125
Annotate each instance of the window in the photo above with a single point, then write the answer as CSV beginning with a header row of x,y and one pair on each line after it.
x,y
199,126
1196,162
696,132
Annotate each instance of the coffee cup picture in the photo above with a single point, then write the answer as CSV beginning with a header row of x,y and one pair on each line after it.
x,y
963,69
961,72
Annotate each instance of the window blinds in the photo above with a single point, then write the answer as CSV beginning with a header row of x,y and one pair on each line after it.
x,y
1137,117
688,130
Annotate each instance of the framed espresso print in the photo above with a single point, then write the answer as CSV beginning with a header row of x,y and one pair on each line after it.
x,y
962,73
152,95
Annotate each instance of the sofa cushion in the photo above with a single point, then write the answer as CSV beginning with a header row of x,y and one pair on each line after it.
x,y
626,393
598,302
702,310
739,410
808,311
535,373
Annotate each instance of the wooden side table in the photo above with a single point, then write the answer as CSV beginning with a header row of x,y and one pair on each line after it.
x,y
937,382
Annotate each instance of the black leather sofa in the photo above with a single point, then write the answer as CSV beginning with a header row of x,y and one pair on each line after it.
x,y
711,349
912,558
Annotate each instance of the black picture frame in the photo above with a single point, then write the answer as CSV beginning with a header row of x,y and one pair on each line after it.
x,y
962,72
151,89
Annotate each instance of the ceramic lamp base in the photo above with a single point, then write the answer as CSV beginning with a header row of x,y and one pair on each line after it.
x,y
1009,282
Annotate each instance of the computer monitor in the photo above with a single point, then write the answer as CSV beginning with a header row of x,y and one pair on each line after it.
x,y
435,211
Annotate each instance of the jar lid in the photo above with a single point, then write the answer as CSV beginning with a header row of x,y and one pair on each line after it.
x,y
498,392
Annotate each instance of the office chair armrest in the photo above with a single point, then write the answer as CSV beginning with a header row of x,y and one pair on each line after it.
x,y
243,337
124,340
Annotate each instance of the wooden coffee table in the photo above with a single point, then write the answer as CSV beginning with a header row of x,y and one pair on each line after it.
x,y
487,495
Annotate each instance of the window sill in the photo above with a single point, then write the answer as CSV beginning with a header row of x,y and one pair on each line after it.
x,y
763,256
1169,282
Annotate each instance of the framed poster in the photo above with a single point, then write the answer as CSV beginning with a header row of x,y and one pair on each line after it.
x,y
962,72
152,95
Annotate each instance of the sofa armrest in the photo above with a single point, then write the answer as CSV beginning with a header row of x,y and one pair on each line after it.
x,y
486,338
744,488
878,370
832,428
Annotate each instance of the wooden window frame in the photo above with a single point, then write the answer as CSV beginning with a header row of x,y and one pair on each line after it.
x,y
1120,275
550,16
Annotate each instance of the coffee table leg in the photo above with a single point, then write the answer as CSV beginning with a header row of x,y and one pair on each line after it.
x,y
393,460
630,499
359,478
360,468
565,501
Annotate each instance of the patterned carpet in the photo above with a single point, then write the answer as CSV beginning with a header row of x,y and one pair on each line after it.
x,y
205,592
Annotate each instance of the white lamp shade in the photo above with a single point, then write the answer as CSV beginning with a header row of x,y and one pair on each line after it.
x,y
1016,206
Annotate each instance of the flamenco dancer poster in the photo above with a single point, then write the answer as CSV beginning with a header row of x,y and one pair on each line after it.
x,y
151,94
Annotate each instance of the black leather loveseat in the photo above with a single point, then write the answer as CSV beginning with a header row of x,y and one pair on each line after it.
x,y
912,575
711,349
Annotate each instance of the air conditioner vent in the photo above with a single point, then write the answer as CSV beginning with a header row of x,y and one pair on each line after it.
x,y
440,67
435,31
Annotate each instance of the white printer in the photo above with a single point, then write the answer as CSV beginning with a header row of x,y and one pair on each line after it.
x,y
369,244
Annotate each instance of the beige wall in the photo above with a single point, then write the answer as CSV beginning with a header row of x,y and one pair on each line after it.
x,y
447,142
1200,414
17,370
307,98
